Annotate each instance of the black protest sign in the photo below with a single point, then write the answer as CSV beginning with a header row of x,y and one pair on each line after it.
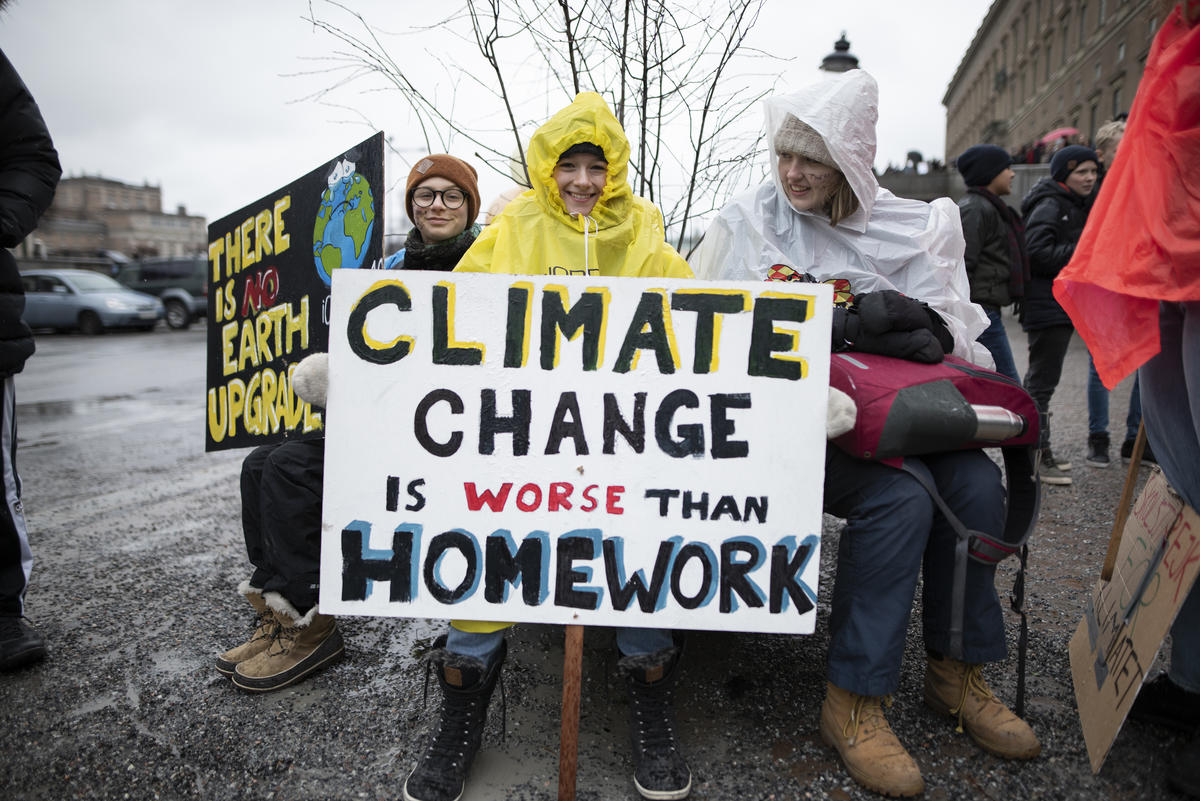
x,y
270,265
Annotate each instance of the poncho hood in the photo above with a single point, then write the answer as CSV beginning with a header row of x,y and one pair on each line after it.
x,y
535,235
888,243
586,119
843,108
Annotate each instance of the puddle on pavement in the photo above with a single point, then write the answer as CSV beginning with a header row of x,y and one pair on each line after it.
x,y
67,408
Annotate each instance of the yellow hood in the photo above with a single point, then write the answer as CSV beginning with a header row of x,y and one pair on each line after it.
x,y
536,236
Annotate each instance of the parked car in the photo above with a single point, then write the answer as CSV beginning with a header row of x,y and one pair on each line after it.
x,y
89,301
181,283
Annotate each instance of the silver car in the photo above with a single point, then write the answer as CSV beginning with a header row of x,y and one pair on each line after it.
x,y
85,300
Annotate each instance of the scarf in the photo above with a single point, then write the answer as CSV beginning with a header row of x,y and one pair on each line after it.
x,y
1019,274
420,255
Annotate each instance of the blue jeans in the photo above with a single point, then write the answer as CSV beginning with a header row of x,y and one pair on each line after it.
x,y
1097,398
630,642
1170,384
995,339
893,532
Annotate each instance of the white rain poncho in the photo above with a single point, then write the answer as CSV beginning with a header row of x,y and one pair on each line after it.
x,y
888,243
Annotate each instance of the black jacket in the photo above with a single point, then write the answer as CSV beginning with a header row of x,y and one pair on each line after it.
x,y
989,262
29,171
1054,219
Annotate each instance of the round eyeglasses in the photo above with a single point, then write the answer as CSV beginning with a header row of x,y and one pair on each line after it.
x,y
451,198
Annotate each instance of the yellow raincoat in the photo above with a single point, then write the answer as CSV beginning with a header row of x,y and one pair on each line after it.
x,y
535,235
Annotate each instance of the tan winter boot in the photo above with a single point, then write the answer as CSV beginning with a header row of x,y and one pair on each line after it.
x,y
301,646
264,630
957,689
854,725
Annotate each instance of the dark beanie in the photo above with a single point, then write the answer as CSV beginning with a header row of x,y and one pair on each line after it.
x,y
584,149
456,171
1068,159
979,164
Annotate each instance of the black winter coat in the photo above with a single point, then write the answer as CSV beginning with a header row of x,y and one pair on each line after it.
x,y
29,171
1054,219
989,262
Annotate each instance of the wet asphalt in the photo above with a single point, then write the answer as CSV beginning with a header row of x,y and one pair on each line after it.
x,y
138,550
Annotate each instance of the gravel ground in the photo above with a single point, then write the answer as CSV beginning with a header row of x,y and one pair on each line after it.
x,y
138,550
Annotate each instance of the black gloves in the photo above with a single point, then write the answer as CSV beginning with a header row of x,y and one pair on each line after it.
x,y
892,324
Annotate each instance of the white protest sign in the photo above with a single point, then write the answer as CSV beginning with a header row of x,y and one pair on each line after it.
x,y
601,451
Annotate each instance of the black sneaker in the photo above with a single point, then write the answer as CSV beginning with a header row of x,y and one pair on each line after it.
x,y
1097,450
20,644
659,768
1163,702
467,686
1184,773
1127,452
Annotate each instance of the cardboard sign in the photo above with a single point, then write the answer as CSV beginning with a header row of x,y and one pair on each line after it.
x,y
604,451
268,295
1127,618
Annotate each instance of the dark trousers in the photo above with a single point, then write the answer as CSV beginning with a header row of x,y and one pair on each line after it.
x,y
1047,350
16,559
281,518
893,533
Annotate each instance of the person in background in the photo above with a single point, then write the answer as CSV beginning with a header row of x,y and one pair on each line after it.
x,y
1055,210
997,264
1108,139
29,172
823,216
580,218
281,484
1146,316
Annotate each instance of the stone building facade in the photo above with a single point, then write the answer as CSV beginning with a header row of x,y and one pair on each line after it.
x,y
91,215
1038,65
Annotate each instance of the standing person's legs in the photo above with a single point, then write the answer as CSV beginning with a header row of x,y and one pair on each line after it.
x,y
1170,387
1133,418
1047,350
1097,400
16,557
995,339
20,644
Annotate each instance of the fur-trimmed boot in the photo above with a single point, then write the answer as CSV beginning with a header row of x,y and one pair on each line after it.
x,y
467,686
659,768
264,629
302,645
854,724
957,689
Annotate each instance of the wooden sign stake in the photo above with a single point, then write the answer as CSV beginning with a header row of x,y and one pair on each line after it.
x,y
1114,539
568,742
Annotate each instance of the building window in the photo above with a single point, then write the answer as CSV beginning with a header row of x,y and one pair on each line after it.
x,y
1103,13
1116,101
1120,52
1082,24
1066,32
1153,25
1047,76
1098,73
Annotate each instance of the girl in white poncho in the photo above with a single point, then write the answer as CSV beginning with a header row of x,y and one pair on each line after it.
x,y
823,216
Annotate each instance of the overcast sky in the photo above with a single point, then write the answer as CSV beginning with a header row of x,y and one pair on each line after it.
x,y
206,99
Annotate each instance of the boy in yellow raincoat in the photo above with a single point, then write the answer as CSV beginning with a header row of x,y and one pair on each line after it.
x,y
580,218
